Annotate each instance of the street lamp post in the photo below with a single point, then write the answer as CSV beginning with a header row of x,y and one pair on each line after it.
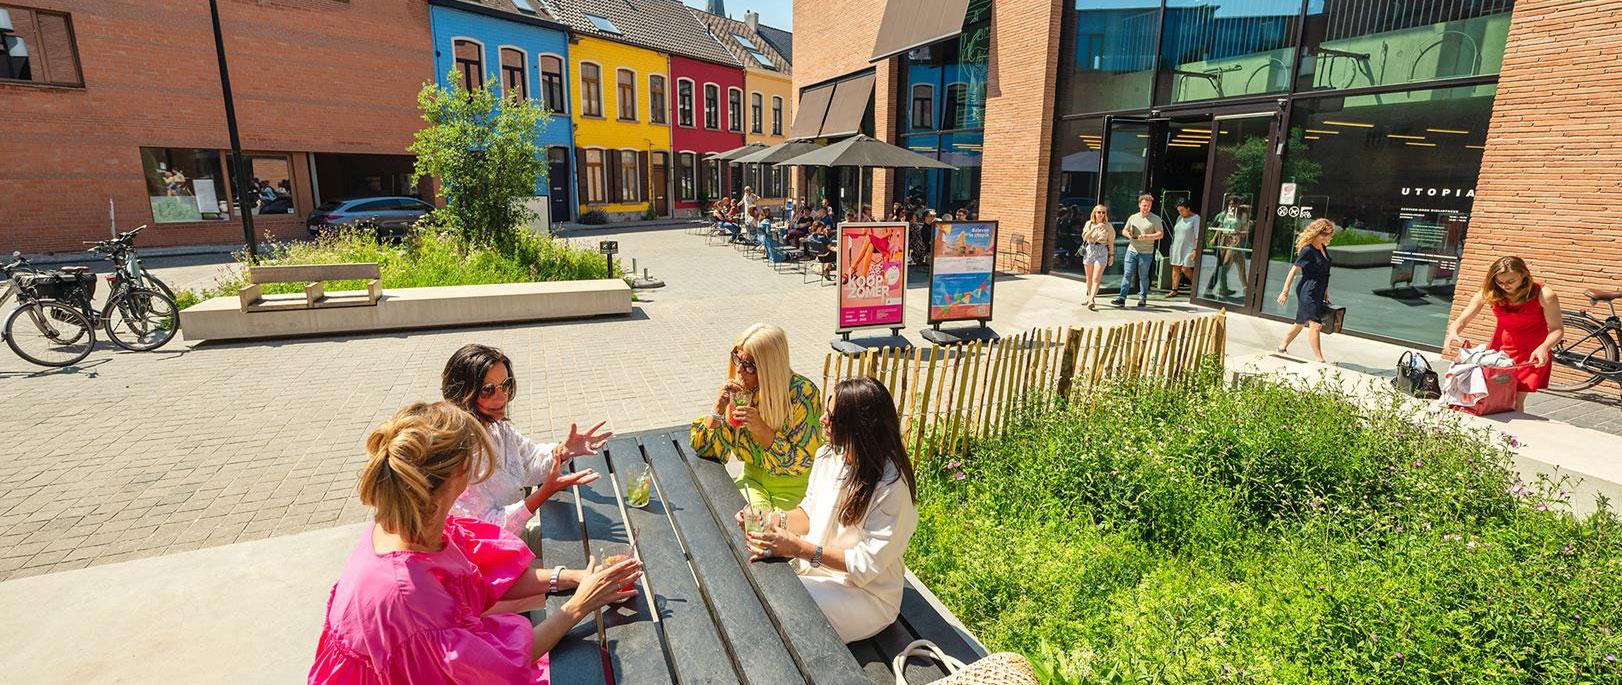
x,y
238,176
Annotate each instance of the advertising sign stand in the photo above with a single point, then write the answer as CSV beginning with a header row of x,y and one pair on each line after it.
x,y
872,284
962,277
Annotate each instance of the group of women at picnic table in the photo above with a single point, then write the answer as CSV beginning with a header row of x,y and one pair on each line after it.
x,y
436,587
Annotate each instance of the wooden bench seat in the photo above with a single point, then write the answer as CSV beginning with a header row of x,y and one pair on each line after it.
x,y
314,277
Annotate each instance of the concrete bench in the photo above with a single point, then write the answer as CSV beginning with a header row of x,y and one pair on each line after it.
x,y
223,318
313,276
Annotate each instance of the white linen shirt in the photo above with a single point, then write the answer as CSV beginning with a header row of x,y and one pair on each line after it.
x,y
520,463
875,573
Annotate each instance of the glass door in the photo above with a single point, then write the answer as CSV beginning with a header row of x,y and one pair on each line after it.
x,y
1126,170
1235,211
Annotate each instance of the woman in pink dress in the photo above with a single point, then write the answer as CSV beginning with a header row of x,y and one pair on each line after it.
x,y
1527,322
428,597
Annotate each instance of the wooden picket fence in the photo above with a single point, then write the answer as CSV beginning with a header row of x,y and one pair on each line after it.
x,y
947,397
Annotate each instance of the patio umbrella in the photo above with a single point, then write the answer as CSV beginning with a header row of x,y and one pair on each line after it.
x,y
778,152
733,154
866,152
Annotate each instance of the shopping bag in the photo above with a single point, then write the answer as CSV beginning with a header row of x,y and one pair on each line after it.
x,y
1415,377
1501,389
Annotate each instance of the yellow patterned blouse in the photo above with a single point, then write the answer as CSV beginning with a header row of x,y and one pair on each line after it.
x,y
793,448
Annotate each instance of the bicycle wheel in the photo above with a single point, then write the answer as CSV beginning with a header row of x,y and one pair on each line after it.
x,y
49,333
151,282
1586,341
140,320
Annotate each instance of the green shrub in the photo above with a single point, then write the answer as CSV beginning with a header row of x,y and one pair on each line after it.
x,y
428,258
1352,236
595,217
1262,533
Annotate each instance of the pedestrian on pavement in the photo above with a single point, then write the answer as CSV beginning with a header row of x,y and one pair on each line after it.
x,y
1526,323
749,199
480,380
767,417
848,536
1098,251
1141,230
428,596
1185,233
1312,264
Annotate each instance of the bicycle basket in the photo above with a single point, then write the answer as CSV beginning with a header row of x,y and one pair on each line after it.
x,y
57,285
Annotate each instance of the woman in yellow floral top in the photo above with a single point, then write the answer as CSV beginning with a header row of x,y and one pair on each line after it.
x,y
777,434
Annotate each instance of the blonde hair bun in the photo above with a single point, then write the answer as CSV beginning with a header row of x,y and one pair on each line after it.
x,y
412,455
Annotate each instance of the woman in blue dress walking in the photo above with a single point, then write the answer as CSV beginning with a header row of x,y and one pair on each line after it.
x,y
1312,264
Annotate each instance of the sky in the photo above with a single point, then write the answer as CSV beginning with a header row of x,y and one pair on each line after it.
x,y
775,13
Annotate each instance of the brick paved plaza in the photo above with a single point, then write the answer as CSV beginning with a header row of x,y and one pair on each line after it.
x,y
137,455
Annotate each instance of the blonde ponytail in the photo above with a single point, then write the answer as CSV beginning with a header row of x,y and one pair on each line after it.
x,y
412,455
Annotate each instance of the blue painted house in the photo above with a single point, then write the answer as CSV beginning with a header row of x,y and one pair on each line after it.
x,y
524,50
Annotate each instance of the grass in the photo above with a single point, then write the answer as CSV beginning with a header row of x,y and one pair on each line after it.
x,y
1203,533
427,258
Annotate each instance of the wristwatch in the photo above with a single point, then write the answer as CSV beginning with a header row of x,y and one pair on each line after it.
x,y
552,587
816,557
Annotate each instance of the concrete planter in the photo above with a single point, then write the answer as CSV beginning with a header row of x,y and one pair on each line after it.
x,y
1362,256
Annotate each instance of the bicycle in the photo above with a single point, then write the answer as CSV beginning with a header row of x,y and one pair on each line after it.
x,y
42,330
134,307
1595,352
121,251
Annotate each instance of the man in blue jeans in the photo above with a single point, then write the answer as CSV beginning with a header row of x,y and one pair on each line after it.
x,y
1141,230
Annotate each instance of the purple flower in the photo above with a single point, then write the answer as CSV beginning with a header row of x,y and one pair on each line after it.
x,y
1426,526
1542,506
1470,545
1399,655
1566,550
1418,463
959,475
1611,658
953,464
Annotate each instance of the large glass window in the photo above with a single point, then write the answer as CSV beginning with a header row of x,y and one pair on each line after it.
x,y
1227,48
625,93
1357,43
38,46
734,110
591,89
777,115
270,183
686,177
757,111
923,106
1113,65
712,106
470,63
1397,172
656,99
184,184
514,74
552,84
684,102
596,177
630,180
1080,142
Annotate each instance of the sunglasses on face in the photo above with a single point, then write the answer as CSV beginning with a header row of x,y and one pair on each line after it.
x,y
744,365
488,390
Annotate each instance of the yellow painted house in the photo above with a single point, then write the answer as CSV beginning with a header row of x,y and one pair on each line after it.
x,y
621,99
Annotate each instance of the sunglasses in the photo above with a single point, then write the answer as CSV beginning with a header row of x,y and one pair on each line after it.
x,y
488,390
743,365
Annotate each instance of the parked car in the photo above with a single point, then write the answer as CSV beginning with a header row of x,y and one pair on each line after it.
x,y
393,216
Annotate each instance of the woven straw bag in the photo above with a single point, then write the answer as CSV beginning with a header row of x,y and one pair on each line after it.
x,y
1002,668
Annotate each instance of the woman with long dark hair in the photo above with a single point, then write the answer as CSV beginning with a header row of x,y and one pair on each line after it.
x,y
849,534
480,380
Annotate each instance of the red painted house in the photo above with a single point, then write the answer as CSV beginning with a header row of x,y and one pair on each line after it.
x,y
708,117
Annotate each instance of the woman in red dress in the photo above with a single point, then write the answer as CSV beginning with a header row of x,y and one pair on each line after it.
x,y
1528,322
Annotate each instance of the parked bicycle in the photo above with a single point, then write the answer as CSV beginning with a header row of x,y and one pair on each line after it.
x,y
1591,345
42,330
121,252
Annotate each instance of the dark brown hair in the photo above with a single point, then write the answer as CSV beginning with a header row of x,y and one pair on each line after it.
x,y
464,374
864,426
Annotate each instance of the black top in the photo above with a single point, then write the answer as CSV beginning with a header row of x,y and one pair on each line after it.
x,y
1314,263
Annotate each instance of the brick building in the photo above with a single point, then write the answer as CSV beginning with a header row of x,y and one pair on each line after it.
x,y
1408,124
121,102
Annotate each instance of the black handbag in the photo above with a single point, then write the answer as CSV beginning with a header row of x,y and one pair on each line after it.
x,y
1332,318
1415,377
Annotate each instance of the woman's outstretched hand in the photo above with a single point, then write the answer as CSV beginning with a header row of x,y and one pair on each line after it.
x,y
603,584
581,445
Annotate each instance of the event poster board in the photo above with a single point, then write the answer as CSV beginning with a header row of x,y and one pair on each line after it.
x,y
872,274
963,271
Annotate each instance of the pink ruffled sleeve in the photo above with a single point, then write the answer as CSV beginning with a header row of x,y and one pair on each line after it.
x,y
495,652
499,555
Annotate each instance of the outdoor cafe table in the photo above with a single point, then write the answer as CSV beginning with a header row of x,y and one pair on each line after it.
x,y
705,613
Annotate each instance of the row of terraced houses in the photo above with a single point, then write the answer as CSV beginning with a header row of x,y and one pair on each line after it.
x,y
111,111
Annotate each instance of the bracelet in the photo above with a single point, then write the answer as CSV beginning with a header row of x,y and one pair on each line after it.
x,y
715,415
816,557
552,587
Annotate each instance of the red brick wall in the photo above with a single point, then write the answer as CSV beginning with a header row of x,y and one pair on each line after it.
x,y
308,75
1552,172
1020,94
834,38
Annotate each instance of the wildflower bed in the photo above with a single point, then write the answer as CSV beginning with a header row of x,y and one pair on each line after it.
x,y
1262,533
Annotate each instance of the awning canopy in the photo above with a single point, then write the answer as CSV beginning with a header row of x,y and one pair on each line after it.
x,y
849,106
778,152
810,112
863,151
909,24
733,154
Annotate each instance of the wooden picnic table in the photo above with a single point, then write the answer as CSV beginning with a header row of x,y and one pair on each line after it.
x,y
705,613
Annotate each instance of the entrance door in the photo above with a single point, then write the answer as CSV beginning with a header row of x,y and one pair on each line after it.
x,y
559,183
1236,213
1127,166
661,181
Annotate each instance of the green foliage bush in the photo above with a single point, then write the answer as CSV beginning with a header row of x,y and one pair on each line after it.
x,y
1262,533
1352,236
428,258
595,217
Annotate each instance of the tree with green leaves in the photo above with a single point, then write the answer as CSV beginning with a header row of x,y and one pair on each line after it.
x,y
482,149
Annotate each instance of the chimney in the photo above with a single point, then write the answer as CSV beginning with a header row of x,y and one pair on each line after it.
x,y
752,18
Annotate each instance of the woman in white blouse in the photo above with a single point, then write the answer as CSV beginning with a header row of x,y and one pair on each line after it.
x,y
479,379
849,534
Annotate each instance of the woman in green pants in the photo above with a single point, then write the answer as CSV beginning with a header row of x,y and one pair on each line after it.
x,y
767,417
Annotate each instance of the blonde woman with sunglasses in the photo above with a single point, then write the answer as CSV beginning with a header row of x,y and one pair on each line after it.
x,y
479,379
1098,245
767,417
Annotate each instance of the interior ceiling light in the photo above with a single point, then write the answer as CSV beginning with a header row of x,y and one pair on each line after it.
x,y
1353,124
1322,132
1476,147
1403,137
1421,144
1453,131
1314,137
